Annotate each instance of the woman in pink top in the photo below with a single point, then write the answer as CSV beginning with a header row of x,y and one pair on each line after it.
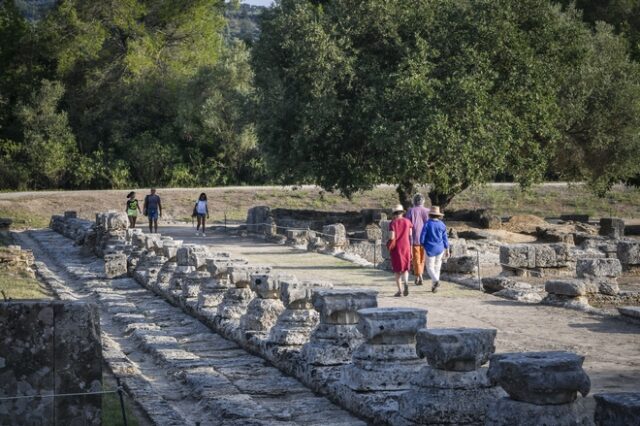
x,y
418,215
399,246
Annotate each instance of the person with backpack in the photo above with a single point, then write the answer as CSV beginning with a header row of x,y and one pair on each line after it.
x,y
201,212
132,208
153,210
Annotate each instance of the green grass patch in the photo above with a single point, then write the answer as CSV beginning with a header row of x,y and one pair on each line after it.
x,y
21,286
22,219
111,411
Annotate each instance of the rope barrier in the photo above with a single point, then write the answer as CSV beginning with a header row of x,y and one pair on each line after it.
x,y
9,398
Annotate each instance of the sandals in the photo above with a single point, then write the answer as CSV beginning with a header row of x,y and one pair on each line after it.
x,y
418,281
398,294
406,289
435,286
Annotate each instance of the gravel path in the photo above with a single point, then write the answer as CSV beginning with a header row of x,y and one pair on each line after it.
x,y
178,370
611,346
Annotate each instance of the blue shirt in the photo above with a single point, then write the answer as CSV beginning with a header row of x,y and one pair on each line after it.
x,y
434,237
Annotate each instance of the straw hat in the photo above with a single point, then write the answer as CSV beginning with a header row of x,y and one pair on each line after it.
x,y
435,211
398,208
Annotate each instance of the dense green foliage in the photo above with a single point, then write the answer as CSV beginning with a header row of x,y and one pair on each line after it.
x,y
446,92
133,92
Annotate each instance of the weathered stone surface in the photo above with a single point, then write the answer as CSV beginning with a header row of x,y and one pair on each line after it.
x,y
572,302
45,348
507,412
192,255
609,287
456,349
115,265
628,252
630,311
540,377
391,325
192,282
620,408
495,284
267,286
336,235
340,306
261,314
298,295
331,344
598,268
526,296
611,227
518,255
234,303
570,288
458,247
219,267
554,255
240,275
460,265
256,217
387,360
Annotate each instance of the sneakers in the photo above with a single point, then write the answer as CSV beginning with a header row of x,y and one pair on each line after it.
x,y
435,286
204,235
197,233
406,289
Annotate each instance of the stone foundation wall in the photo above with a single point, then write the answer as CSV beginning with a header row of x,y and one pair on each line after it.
x,y
50,347
366,359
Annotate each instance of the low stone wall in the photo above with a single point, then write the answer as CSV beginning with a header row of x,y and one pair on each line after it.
x,y
364,358
46,348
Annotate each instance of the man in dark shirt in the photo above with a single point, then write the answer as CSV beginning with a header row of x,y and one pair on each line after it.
x,y
153,210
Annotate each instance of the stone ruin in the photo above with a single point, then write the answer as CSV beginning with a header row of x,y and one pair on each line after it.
x,y
367,359
50,348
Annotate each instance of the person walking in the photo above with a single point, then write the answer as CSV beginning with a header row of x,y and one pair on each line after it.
x,y
132,208
418,215
153,210
201,210
436,245
399,246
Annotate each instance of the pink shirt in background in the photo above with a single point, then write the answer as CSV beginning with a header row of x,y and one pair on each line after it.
x,y
418,215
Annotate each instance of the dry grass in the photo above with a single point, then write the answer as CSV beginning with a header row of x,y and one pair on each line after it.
x,y
33,209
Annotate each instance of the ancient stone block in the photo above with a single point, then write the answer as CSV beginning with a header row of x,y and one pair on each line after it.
x,y
628,252
240,275
620,408
540,377
219,268
387,360
630,311
212,292
336,235
571,288
458,247
192,255
611,227
507,412
460,265
598,268
518,255
55,348
499,283
191,284
456,349
335,338
256,217
115,265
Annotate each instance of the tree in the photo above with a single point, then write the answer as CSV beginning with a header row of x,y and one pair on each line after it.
x,y
443,92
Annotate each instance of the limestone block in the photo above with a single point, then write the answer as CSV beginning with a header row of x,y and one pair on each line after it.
x,y
190,285
391,325
518,255
336,235
387,360
234,303
331,344
507,412
611,227
192,255
572,302
170,250
499,283
240,275
115,265
460,265
620,408
261,314
458,247
297,295
117,220
540,377
54,347
630,311
340,306
293,327
598,268
267,286
456,349
256,216
628,252
219,268
384,227
609,287
572,288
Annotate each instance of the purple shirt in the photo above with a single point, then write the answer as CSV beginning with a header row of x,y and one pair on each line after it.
x,y
418,215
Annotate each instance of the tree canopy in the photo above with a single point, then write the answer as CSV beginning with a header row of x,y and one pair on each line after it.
x,y
445,92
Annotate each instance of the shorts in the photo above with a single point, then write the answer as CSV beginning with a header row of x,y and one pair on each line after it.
x,y
152,214
132,213
201,215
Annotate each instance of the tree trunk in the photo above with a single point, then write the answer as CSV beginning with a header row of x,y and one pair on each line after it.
x,y
443,199
405,193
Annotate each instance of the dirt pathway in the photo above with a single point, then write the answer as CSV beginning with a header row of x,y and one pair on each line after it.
x,y
611,346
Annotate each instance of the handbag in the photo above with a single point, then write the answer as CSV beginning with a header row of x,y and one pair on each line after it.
x,y
195,210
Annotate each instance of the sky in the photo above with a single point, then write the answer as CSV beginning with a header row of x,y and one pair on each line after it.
x,y
258,2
